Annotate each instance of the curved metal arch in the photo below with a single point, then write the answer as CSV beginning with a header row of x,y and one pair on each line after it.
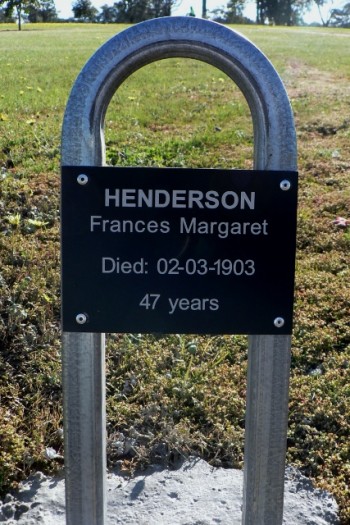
x,y
187,37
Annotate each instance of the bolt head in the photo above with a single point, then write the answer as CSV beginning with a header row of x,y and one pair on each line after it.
x,y
279,322
285,185
81,318
82,179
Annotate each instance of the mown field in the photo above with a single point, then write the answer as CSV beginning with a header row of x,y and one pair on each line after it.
x,y
175,394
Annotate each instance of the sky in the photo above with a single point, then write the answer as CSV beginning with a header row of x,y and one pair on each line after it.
x,y
63,8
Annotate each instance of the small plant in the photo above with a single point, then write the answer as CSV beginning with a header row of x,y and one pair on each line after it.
x,y
14,220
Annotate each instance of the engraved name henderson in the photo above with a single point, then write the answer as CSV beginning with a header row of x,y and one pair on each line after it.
x,y
179,199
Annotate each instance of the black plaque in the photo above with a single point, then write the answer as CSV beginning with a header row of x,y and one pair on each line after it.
x,y
178,250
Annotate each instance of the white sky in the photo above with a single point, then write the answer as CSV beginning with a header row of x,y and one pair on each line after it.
x,y
63,8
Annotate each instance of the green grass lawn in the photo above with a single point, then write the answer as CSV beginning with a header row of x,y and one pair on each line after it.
x,y
185,392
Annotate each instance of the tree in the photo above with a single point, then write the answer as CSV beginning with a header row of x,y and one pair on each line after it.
x,y
340,17
158,8
233,14
5,17
108,14
84,10
43,12
19,6
133,11
319,4
280,12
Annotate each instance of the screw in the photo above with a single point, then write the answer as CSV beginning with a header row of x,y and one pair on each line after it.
x,y
285,185
278,322
81,318
82,179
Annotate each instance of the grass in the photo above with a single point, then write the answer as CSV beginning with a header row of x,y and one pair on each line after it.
x,y
198,119
175,394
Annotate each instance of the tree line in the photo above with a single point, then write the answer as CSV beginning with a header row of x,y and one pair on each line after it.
x,y
279,12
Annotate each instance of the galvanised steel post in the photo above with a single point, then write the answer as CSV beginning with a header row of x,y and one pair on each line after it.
x,y
268,356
